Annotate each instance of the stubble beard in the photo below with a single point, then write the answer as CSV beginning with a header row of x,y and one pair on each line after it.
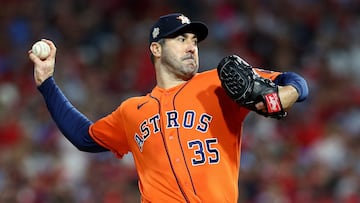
x,y
183,68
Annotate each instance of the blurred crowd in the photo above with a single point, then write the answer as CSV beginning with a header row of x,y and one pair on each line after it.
x,y
103,58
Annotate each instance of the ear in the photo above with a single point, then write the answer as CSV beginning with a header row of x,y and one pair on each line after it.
x,y
155,49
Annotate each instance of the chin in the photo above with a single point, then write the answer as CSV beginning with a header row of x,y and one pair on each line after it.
x,y
190,75
193,67
189,71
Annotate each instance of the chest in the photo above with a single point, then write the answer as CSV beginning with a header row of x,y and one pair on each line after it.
x,y
174,114
192,116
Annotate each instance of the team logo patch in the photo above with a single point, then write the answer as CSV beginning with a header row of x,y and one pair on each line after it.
x,y
273,102
184,19
155,33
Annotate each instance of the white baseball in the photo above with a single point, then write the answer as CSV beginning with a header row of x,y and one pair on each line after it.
x,y
41,49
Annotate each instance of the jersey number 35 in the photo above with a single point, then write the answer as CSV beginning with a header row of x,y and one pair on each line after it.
x,y
204,151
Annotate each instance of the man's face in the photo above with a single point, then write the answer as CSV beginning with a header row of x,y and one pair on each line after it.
x,y
180,56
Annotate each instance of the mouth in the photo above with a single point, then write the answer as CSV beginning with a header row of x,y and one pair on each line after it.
x,y
189,57
190,61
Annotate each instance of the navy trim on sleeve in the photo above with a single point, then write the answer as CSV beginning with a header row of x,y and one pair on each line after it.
x,y
73,124
295,80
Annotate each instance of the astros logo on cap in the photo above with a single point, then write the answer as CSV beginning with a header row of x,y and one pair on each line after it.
x,y
184,19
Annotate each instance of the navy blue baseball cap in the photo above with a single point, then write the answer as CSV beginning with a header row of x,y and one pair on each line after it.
x,y
174,24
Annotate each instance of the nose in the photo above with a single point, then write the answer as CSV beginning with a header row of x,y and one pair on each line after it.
x,y
191,47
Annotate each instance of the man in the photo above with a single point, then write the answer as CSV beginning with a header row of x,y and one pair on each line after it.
x,y
185,135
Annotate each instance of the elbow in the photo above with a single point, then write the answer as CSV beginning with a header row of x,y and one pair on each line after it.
x,y
82,148
295,80
91,148
303,95
86,144
302,88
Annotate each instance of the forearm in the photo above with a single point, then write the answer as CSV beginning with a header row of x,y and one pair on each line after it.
x,y
288,96
69,120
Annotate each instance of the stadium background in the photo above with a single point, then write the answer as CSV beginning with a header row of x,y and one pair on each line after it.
x,y
313,156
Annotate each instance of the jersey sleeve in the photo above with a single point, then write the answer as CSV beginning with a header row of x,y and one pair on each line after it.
x,y
109,132
287,78
267,73
72,123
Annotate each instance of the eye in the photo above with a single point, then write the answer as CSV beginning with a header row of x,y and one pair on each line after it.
x,y
181,38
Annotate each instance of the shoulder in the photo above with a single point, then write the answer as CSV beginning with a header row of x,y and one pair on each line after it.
x,y
133,102
129,106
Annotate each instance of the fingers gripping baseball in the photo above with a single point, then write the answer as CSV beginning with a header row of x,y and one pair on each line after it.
x,y
43,67
248,89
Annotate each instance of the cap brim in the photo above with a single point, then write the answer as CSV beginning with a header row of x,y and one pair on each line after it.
x,y
197,28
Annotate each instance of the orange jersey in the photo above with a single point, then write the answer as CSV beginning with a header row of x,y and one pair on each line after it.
x,y
185,140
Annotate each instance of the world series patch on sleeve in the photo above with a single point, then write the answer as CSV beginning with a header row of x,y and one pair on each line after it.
x,y
247,88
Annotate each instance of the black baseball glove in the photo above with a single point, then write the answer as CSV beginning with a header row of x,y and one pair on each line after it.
x,y
247,88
